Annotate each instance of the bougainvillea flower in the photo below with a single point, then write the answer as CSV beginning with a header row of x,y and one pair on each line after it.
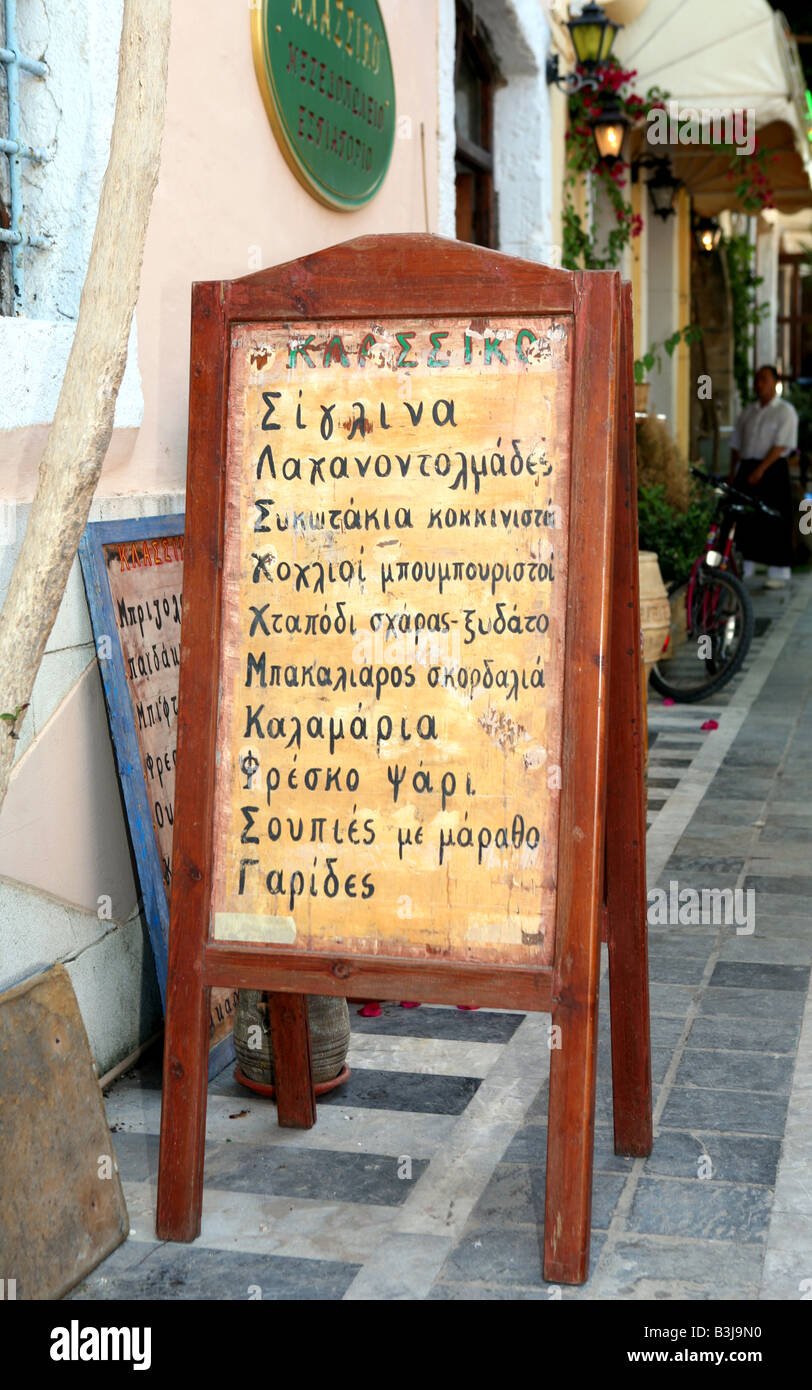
x,y
711,724
370,1010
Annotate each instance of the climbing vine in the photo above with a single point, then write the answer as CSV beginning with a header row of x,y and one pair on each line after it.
x,y
580,249
747,312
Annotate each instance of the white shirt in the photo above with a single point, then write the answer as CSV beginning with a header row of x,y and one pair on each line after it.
x,y
761,428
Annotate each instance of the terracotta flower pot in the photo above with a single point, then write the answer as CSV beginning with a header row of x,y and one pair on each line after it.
x,y
641,390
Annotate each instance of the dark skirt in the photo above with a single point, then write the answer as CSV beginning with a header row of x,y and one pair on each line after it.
x,y
764,539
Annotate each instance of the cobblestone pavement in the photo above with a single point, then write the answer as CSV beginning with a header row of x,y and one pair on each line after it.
x,y
424,1176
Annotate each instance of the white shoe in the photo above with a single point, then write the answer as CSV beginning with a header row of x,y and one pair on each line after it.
x,y
776,583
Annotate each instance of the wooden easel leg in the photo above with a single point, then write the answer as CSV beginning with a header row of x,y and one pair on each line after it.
x,y
183,1113
290,1037
570,1142
627,932
631,1044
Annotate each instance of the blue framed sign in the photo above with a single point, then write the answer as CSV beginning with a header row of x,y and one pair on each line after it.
x,y
133,575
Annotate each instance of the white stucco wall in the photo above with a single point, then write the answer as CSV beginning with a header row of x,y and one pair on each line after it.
x,y
522,126
226,204
446,140
69,113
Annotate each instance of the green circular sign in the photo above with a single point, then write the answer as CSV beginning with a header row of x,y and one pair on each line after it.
x,y
325,73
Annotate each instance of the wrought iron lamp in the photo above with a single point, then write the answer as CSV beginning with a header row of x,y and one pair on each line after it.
x,y
593,35
662,186
707,234
609,129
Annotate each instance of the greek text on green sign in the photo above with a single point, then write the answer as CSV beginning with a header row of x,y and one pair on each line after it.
x,y
325,73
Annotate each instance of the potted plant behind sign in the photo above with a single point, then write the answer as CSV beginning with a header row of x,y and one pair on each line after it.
x,y
650,359
329,1019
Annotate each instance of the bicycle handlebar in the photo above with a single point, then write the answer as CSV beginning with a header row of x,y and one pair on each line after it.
x,y
716,480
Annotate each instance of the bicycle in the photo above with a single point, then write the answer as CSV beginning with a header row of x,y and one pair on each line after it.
x,y
712,620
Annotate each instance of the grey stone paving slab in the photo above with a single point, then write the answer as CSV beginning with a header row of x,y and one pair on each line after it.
x,y
640,1267
604,1114
734,841
787,1275
670,999
750,757
800,811
794,830
697,881
740,1071
733,1158
530,1146
729,1112
673,943
767,950
726,811
456,1025
749,975
137,1156
743,1034
660,1059
322,1175
515,1197
785,925
505,1260
402,1090
700,1209
497,1256
752,1003
404,1267
194,1272
704,867
666,1032
667,969
776,887
738,785
488,1293
787,905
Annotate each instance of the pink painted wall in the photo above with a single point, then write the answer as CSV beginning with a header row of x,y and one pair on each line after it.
x,y
227,203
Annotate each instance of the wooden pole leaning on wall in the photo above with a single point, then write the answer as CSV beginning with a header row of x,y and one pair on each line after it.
x,y
379,380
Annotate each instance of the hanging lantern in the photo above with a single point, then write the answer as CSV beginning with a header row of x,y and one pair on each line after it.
x,y
707,234
592,35
609,129
662,189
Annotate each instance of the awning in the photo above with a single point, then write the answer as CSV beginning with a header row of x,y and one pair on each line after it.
x,y
725,54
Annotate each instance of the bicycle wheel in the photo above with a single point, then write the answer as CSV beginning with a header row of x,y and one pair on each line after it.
x,y
706,645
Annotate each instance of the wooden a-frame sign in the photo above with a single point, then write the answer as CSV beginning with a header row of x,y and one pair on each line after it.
x,y
410,643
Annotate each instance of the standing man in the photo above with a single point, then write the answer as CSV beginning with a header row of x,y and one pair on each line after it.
x,y
766,432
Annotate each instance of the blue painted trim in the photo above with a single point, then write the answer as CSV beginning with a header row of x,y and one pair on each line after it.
x,y
124,736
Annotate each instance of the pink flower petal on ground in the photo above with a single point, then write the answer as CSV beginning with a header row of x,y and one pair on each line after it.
x,y
668,700
405,1005
469,1007
711,724
370,1011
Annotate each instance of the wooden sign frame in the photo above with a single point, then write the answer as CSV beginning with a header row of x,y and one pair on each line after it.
x,y
105,625
600,879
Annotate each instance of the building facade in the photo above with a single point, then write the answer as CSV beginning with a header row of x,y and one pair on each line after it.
x,y
226,204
